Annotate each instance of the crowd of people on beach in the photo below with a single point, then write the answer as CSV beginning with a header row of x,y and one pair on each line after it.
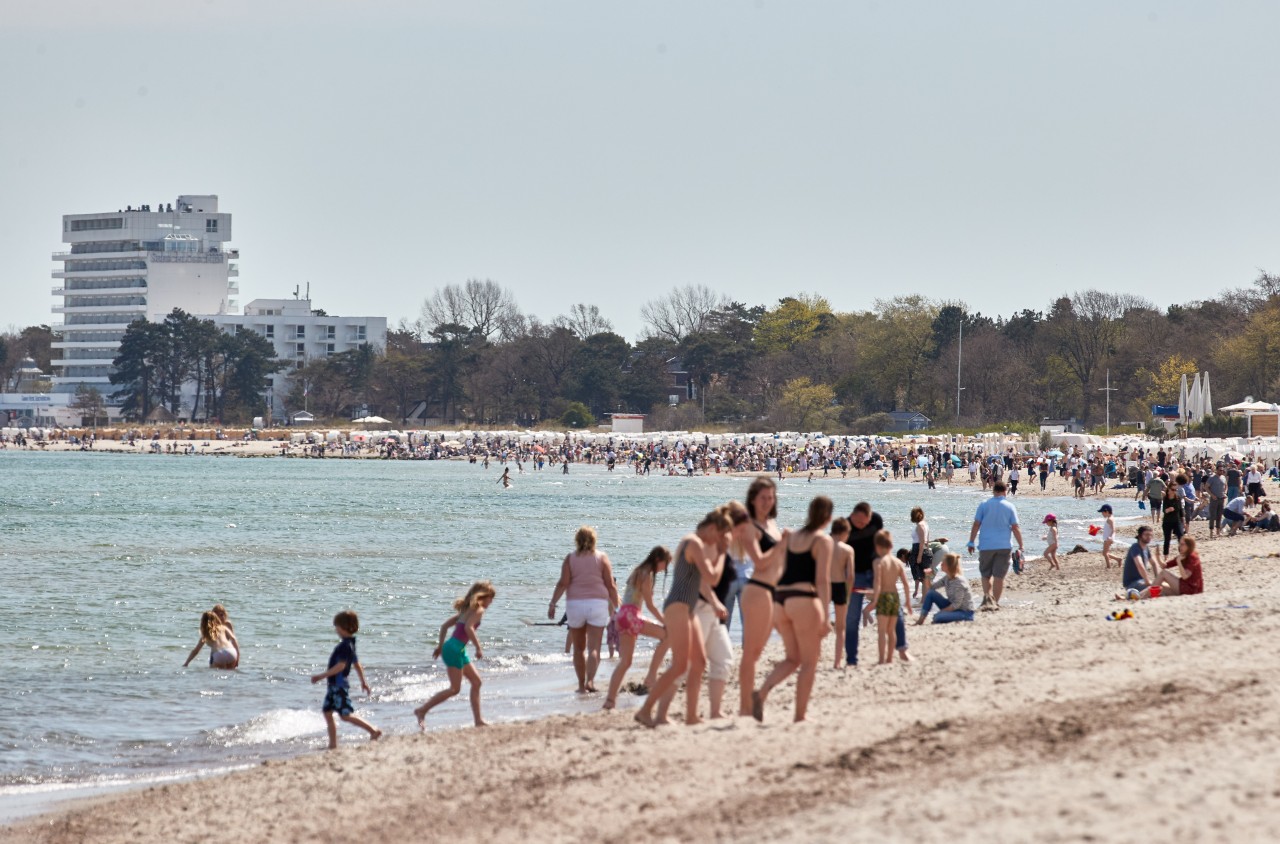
x,y
829,575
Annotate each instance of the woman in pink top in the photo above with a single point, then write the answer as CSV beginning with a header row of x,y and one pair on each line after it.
x,y
586,581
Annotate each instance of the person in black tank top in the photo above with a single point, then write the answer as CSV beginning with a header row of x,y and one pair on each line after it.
x,y
801,617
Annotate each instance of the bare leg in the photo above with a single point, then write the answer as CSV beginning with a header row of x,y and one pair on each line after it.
x,y
655,664
697,665
997,589
594,635
626,647
757,624
333,730
578,637
373,731
839,640
679,628
455,686
783,669
469,671
806,618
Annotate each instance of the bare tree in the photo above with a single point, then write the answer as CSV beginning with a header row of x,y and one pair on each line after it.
x,y
584,321
1085,330
485,307
683,311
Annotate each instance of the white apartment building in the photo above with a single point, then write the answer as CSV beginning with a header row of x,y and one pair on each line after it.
x,y
131,264
300,335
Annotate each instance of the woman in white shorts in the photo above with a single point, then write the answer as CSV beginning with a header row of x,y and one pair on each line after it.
x,y
586,581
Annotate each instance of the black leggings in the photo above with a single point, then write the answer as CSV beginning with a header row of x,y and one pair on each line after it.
x,y
1169,531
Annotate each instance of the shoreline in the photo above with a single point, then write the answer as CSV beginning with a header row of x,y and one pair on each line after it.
x,y
1043,721
1057,486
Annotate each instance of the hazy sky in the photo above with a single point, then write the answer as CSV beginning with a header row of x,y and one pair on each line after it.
x,y
997,152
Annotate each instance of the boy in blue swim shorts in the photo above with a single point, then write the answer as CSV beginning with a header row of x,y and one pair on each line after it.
x,y
337,699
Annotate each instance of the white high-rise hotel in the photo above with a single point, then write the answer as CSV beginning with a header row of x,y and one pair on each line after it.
x,y
135,264
144,263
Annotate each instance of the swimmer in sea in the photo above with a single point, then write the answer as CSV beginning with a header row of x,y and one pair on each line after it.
x,y
220,639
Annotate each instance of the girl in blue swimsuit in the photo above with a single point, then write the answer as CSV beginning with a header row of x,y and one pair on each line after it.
x,y
470,611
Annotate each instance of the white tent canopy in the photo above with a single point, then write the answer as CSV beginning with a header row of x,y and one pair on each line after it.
x,y
1196,406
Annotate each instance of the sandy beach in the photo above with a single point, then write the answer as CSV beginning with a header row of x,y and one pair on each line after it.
x,y
1042,722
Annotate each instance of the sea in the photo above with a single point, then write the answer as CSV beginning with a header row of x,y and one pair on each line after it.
x,y
107,562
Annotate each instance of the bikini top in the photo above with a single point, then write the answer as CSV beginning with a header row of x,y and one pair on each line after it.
x,y
800,567
766,541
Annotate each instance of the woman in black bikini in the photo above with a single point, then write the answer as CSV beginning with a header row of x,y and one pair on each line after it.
x,y
804,590
757,594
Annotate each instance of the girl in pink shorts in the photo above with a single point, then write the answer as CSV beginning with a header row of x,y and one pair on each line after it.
x,y
630,623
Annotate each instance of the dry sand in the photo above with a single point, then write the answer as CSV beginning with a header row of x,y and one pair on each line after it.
x,y
1042,722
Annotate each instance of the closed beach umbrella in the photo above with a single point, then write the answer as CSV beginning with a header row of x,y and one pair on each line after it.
x,y
1206,400
1195,409
1182,400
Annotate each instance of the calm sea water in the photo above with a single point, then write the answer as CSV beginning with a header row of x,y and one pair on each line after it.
x,y
109,560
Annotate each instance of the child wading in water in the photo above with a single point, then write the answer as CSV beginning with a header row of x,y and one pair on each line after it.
x,y
885,600
470,610
346,624
1051,550
216,632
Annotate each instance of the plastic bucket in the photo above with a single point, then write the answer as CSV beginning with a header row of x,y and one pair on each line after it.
x,y
1155,591
1094,530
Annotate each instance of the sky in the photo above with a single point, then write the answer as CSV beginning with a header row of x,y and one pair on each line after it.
x,y
997,153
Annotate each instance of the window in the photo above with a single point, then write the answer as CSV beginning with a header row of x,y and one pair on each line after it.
x,y
360,333
95,225
329,348
302,349
211,225
300,332
271,332
330,332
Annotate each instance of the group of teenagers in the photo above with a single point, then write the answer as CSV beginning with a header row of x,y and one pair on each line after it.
x,y
783,580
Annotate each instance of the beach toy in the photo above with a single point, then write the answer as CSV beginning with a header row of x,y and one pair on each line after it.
x,y
1017,562
1154,591
1094,530
1120,615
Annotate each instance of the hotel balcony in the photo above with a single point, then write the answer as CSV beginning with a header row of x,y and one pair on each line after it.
x,y
82,344
100,291
99,309
233,287
97,273
233,271
83,362
109,256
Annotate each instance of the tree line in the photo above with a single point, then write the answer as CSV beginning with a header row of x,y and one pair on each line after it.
x,y
795,364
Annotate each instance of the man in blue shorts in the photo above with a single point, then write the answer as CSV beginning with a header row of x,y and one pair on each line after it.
x,y
993,526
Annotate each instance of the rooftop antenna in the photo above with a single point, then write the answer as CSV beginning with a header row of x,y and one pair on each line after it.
x,y
295,291
308,291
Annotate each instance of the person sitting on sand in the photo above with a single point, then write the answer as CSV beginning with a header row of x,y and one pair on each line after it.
x,y
1234,513
631,625
957,602
469,611
1183,576
1137,564
221,641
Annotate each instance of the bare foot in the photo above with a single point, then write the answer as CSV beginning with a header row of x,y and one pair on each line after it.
x,y
757,706
644,719
904,656
591,688
422,719
608,703
375,735
482,723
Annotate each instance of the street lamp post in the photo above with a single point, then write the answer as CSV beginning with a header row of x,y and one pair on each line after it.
x,y
1108,390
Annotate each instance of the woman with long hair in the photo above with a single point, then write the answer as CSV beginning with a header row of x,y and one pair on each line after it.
x,y
631,625
804,589
763,545
586,580
699,558
225,650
